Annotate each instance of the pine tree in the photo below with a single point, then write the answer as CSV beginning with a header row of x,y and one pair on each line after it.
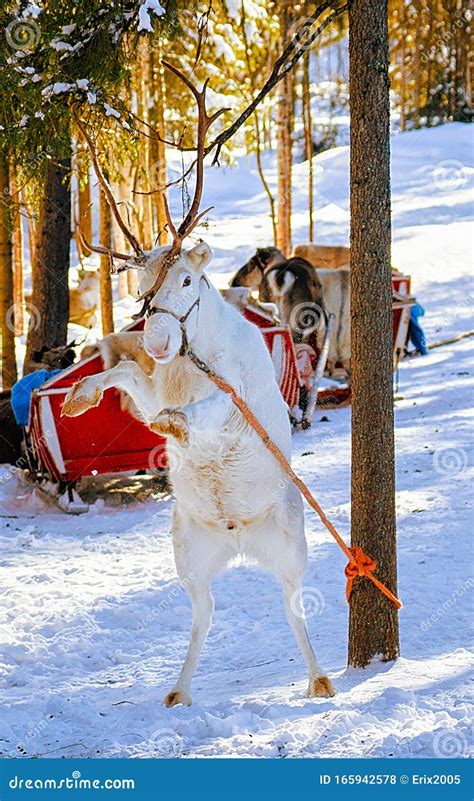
x,y
49,321
284,146
7,329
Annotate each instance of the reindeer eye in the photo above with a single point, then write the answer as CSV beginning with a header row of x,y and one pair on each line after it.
x,y
187,281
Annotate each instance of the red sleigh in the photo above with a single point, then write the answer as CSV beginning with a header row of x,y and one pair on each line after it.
x,y
107,439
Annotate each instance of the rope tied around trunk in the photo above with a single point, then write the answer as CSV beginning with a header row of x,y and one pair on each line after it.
x,y
360,563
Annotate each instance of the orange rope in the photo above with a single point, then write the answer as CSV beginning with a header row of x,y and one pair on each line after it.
x,y
360,564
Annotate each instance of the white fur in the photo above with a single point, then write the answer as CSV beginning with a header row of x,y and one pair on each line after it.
x,y
232,498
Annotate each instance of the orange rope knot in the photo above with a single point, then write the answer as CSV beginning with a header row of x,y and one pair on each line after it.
x,y
361,564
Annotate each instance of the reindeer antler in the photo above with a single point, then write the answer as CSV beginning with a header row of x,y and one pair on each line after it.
x,y
204,123
128,234
193,216
114,254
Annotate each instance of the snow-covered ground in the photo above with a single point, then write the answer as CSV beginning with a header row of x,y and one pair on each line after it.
x,y
94,624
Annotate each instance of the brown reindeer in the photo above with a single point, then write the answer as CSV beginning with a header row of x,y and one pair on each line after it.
x,y
301,293
325,257
292,284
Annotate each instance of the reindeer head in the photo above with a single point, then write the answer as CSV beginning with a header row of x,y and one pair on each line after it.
x,y
173,310
169,276
251,274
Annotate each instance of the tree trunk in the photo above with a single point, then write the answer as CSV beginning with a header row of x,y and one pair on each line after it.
x,y
7,331
417,64
157,148
308,141
144,160
373,623
84,198
403,66
119,241
50,303
285,102
17,255
27,196
265,184
105,237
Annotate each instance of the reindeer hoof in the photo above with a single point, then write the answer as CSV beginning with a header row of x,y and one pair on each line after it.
x,y
172,422
176,697
320,687
82,396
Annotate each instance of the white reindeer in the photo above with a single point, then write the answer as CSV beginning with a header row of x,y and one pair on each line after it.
x,y
232,498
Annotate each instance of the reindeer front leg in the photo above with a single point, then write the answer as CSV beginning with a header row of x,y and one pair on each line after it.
x,y
208,415
126,376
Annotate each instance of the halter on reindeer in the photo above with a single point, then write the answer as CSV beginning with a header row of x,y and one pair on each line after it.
x,y
216,458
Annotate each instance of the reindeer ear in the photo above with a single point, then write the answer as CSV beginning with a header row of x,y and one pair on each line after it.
x,y
200,255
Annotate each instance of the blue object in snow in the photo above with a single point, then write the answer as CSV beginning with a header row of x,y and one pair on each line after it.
x,y
416,335
21,393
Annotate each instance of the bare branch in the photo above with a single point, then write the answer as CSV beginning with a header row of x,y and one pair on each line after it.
x,y
283,65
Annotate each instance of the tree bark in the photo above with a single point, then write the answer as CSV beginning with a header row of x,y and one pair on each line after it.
x,y
284,141
27,196
157,147
403,66
17,254
308,141
373,623
7,330
119,241
417,65
84,198
144,163
105,237
50,303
